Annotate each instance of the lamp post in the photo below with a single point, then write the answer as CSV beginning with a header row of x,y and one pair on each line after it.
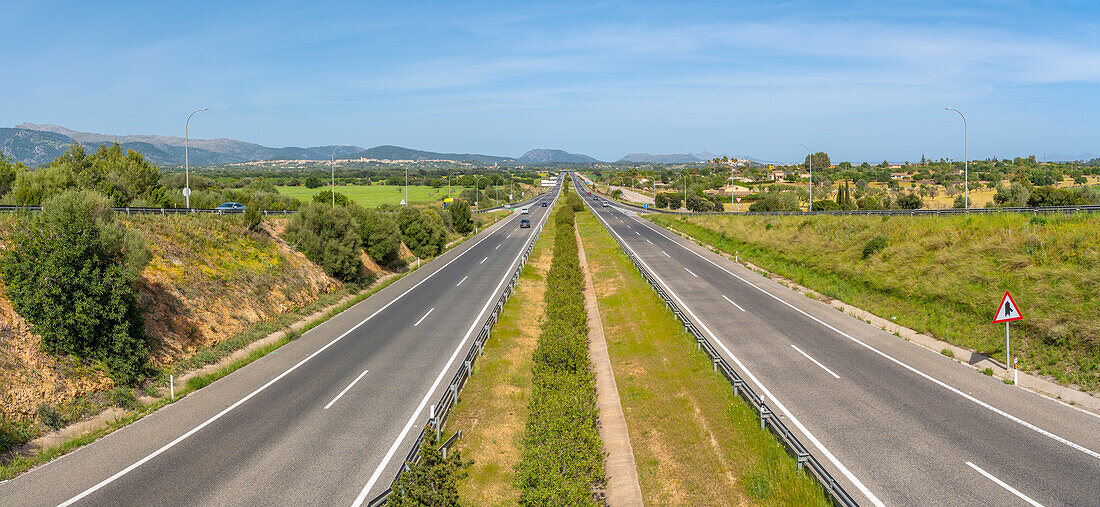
x,y
477,192
186,159
966,161
449,182
332,165
811,173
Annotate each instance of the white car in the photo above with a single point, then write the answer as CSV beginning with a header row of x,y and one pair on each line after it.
x,y
524,211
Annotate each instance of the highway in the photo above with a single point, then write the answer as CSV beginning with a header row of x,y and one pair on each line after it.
x,y
326,419
897,424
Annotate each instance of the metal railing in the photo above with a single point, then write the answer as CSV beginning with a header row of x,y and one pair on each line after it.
x,y
1084,208
439,412
768,419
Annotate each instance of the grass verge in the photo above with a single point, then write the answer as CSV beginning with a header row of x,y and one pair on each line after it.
x,y
694,441
943,275
493,406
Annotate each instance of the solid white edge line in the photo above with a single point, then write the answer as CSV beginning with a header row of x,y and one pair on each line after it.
x,y
794,420
800,351
692,273
462,280
442,373
338,396
424,317
926,376
1005,486
260,389
732,303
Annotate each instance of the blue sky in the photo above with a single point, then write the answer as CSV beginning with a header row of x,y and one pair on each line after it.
x,y
860,80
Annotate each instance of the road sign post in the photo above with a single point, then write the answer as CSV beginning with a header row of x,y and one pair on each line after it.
x,y
738,204
1008,312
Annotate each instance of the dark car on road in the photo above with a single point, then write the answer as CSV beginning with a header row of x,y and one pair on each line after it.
x,y
543,205
230,206
525,224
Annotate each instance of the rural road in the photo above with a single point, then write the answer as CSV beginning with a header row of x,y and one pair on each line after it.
x,y
325,419
897,424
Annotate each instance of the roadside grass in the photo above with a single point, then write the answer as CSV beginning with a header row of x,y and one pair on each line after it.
x,y
15,433
694,441
493,405
943,275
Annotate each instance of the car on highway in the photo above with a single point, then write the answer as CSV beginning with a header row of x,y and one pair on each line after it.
x,y
544,205
524,211
230,206
525,224
605,204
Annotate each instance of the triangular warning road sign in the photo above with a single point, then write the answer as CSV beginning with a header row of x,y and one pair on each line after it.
x,y
1008,311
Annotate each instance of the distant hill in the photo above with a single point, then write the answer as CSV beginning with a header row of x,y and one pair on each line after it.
x,y
544,156
398,153
37,144
672,158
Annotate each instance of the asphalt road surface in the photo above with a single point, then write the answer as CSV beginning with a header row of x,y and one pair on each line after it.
x,y
897,424
325,419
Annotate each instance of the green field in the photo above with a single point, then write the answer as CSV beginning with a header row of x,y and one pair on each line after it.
x,y
374,195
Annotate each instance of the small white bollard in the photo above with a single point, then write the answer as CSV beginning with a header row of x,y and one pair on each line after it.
x,y
172,386
1016,372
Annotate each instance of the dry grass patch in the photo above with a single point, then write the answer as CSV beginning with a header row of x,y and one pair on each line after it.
x,y
493,406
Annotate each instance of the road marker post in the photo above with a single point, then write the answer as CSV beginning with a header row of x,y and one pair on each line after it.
x,y
1008,312
172,386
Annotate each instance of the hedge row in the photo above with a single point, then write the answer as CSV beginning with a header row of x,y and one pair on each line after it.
x,y
563,460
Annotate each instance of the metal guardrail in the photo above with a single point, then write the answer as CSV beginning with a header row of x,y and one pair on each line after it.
x,y
442,409
768,419
1088,208
157,211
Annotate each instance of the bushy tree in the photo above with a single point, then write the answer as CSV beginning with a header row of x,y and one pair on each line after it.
x,y
433,480
870,203
1012,196
423,232
826,205
1050,196
674,200
329,237
253,218
461,217
775,204
313,182
380,235
910,200
71,271
660,200
326,197
9,170
698,203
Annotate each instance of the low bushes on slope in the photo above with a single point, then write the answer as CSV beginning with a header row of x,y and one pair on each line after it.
x,y
944,275
562,453
329,237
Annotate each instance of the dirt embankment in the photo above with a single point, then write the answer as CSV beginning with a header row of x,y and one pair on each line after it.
x,y
208,280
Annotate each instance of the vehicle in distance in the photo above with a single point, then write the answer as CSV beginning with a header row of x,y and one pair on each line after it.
x,y
524,211
543,205
525,224
230,206
605,204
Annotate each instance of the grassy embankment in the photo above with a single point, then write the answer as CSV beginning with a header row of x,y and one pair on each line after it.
x,y
211,289
694,441
493,405
943,275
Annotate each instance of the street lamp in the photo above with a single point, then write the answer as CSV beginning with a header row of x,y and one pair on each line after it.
x,y
477,192
405,202
811,172
332,165
186,161
966,160
449,182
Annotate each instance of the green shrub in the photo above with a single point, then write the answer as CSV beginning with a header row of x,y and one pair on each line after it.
x,y
51,417
870,203
562,454
826,205
873,246
253,218
776,204
71,272
329,237
16,433
327,197
434,479
123,398
660,200
380,235
910,200
422,231
461,217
